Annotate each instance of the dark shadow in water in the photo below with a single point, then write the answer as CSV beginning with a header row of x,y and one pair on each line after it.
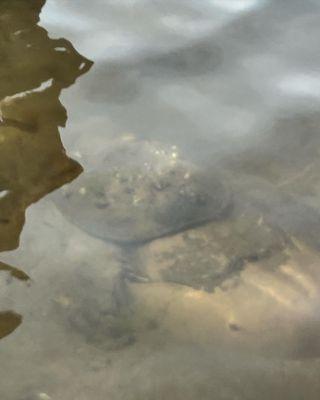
x,y
34,69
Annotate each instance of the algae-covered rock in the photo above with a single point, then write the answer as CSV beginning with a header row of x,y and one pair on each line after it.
x,y
205,257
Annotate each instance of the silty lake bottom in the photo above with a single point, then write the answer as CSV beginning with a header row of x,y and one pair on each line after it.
x,y
159,200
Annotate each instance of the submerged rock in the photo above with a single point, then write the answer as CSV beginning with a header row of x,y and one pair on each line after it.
x,y
205,257
142,191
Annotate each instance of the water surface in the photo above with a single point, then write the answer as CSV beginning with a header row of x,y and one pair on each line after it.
x,y
222,310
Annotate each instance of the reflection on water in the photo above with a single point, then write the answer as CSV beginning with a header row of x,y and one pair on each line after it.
x,y
14,272
34,70
180,259
9,321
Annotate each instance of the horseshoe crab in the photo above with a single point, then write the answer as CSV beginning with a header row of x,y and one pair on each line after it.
x,y
143,191
176,224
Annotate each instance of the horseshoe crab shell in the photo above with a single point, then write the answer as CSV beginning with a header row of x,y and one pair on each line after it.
x,y
142,191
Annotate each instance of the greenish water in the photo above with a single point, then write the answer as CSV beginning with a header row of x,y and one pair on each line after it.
x,y
159,200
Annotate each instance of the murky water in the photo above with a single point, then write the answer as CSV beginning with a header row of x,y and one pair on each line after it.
x,y
160,200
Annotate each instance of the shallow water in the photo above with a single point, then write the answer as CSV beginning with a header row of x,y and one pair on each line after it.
x,y
227,309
